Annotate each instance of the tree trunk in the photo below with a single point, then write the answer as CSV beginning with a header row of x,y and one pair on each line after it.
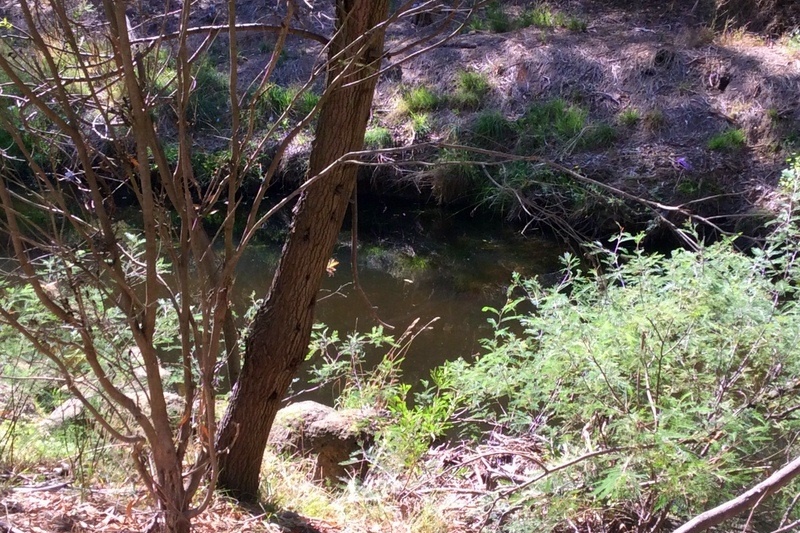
x,y
280,333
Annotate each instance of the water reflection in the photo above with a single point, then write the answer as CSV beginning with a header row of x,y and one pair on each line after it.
x,y
418,263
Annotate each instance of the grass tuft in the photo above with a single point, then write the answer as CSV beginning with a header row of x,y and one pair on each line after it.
x,y
731,140
378,137
418,100
209,100
629,117
492,129
471,90
654,120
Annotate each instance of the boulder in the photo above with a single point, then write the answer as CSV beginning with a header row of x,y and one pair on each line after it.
x,y
334,437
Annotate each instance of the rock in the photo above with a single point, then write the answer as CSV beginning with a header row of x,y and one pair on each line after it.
x,y
67,412
335,437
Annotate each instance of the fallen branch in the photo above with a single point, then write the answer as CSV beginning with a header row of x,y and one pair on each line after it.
x,y
748,500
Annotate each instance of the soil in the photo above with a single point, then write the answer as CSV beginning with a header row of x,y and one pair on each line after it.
x,y
687,70
686,79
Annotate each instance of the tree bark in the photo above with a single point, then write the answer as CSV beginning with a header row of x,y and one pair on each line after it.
x,y
280,333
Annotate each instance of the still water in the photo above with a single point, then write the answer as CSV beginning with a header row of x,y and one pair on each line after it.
x,y
419,262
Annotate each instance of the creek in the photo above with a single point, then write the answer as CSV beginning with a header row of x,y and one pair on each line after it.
x,y
418,261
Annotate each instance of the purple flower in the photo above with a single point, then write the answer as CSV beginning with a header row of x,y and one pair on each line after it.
x,y
683,163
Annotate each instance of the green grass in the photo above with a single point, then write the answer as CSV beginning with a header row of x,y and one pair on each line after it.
x,y
377,137
421,123
277,99
601,135
629,117
418,100
493,130
496,20
793,40
208,103
554,120
731,140
471,90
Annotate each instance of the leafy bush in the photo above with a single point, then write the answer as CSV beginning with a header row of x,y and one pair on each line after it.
x,y
409,430
671,381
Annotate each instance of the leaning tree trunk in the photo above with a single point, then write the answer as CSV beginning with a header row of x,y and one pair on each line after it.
x,y
280,333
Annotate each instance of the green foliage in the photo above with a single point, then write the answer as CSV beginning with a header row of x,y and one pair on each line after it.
x,y
731,140
497,19
471,90
378,137
418,100
793,40
343,363
408,433
671,365
601,135
277,99
208,103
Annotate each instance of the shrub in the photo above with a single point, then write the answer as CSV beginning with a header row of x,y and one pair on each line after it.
x,y
730,140
660,373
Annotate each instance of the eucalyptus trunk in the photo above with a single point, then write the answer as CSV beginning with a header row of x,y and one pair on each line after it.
x,y
278,339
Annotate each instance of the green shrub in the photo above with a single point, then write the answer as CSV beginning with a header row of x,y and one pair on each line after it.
x,y
407,434
730,140
662,373
471,90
